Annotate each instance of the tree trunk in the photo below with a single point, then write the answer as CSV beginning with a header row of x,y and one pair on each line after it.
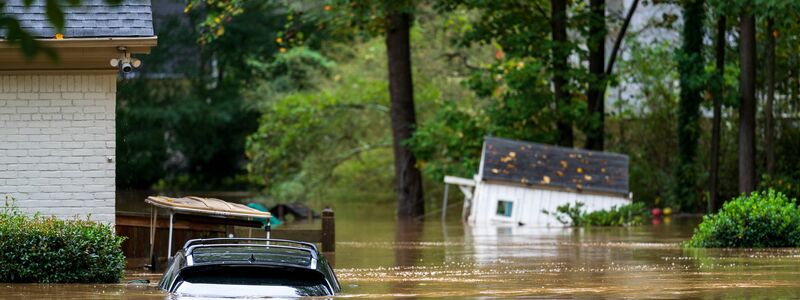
x,y
560,52
597,59
747,104
719,92
408,181
692,83
770,130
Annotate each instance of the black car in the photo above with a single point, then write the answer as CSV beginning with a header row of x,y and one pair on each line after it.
x,y
239,267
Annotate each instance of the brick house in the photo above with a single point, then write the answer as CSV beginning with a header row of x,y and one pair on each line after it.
x,y
57,118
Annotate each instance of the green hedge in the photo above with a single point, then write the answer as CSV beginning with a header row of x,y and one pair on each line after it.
x,y
50,250
760,220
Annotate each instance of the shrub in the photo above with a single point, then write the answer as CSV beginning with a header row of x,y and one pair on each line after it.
x,y
50,250
626,215
762,219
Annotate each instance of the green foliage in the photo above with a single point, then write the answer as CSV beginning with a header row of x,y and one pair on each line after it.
x,y
519,79
49,250
217,14
168,129
783,184
643,126
183,120
317,122
768,8
576,216
330,136
298,69
761,219
450,142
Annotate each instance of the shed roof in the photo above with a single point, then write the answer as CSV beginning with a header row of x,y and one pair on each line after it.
x,y
533,164
93,18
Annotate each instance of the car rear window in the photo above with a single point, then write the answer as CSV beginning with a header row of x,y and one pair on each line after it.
x,y
254,254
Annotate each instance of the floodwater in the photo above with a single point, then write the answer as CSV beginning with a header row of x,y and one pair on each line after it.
x,y
377,257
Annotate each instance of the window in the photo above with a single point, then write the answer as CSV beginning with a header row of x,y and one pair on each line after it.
x,y
504,208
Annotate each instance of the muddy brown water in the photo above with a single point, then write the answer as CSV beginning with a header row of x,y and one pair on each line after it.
x,y
378,257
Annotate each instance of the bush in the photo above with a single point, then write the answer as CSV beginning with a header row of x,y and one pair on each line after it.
x,y
762,219
50,250
626,215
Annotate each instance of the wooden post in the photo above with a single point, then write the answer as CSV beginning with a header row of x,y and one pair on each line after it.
x,y
153,228
328,231
444,201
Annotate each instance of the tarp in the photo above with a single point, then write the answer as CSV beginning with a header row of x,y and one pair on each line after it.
x,y
208,206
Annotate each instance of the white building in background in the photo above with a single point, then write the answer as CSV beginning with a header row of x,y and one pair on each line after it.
x,y
517,180
58,118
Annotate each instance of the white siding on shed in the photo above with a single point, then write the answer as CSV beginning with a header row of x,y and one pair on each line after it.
x,y
57,144
529,203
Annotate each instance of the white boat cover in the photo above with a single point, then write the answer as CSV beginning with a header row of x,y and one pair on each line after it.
x,y
207,206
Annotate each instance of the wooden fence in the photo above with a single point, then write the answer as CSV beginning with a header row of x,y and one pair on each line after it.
x,y
136,228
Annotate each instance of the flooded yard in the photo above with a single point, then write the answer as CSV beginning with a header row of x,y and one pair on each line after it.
x,y
378,257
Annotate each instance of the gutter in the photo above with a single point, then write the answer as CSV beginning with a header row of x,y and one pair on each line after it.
x,y
138,43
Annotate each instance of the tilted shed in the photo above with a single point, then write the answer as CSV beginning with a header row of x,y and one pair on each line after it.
x,y
517,180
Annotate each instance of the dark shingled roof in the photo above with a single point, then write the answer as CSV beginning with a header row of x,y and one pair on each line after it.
x,y
535,164
93,18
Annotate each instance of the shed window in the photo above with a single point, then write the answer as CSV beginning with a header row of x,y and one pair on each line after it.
x,y
504,208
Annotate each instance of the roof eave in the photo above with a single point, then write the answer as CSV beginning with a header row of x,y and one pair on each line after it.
x,y
81,55
625,195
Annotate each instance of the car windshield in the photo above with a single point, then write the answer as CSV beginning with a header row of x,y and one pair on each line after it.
x,y
246,281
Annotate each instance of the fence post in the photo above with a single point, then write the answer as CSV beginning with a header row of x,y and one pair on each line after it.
x,y
328,231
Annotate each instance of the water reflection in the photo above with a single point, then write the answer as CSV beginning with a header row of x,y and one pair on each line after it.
x,y
448,260
407,238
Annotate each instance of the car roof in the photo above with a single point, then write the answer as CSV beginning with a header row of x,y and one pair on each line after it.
x,y
249,252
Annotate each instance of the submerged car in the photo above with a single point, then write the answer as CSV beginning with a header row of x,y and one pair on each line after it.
x,y
246,268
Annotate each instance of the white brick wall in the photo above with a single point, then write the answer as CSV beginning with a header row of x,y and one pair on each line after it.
x,y
57,135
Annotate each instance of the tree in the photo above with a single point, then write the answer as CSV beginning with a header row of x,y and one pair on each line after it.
x,y
769,131
183,119
560,64
718,91
692,82
531,79
392,20
596,42
408,179
747,104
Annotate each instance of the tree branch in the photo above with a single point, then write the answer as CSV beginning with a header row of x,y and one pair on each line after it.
x,y
620,36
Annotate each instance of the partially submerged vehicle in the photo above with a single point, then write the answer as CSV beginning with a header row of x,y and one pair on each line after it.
x,y
248,267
